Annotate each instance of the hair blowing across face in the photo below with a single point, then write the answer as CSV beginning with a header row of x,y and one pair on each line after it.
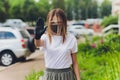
x,y
61,15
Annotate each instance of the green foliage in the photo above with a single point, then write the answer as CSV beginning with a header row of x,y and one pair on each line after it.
x,y
4,10
88,9
102,49
58,4
104,67
69,9
29,10
109,20
96,39
16,2
113,41
34,75
105,8
91,67
100,45
113,66
84,47
113,38
103,62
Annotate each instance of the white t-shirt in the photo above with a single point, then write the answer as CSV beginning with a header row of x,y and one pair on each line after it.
x,y
58,54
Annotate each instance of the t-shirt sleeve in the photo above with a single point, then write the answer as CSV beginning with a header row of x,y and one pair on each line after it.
x,y
43,37
74,47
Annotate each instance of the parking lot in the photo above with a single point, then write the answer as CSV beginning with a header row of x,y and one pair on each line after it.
x,y
19,70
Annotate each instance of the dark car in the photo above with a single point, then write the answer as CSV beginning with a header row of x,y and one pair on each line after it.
x,y
31,30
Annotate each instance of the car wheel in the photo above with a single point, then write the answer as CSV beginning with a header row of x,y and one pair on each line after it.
x,y
7,58
31,45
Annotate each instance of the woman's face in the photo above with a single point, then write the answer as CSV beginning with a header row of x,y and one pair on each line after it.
x,y
56,25
56,20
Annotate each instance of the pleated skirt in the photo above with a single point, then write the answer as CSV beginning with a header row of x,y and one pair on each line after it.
x,y
58,74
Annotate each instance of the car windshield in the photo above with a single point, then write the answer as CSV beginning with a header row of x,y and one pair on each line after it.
x,y
76,27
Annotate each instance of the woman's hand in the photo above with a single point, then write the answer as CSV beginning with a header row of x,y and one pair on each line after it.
x,y
39,30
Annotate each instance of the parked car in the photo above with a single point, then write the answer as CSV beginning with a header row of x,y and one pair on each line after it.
x,y
15,43
82,22
15,23
1,24
30,30
80,30
74,33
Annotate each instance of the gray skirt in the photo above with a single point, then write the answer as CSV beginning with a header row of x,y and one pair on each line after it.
x,y
59,74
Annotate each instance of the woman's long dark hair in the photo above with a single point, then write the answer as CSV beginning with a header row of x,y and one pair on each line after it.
x,y
59,13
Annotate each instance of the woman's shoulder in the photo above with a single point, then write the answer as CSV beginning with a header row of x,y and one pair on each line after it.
x,y
70,35
44,36
70,38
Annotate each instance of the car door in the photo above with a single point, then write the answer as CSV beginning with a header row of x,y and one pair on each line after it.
x,y
7,40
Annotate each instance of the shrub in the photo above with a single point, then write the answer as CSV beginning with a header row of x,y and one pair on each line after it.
x,y
83,47
109,20
114,38
96,39
103,49
113,41
34,75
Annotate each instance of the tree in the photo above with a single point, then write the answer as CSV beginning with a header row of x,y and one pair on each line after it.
x,y
44,7
93,10
82,6
29,10
58,4
76,9
16,11
69,9
105,8
4,9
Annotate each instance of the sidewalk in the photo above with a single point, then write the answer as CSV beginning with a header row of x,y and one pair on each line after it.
x,y
19,70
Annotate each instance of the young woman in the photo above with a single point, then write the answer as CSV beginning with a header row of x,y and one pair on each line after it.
x,y
60,48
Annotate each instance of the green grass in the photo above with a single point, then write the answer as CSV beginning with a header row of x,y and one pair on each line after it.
x,y
34,75
104,67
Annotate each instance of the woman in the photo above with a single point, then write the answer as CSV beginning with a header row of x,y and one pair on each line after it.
x,y
60,48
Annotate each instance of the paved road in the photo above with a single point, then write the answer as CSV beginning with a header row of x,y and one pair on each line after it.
x,y
19,70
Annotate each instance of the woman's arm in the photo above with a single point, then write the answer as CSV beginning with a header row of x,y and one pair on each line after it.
x,y
39,31
38,43
75,66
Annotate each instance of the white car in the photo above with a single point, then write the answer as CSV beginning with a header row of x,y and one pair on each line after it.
x,y
15,23
80,30
14,44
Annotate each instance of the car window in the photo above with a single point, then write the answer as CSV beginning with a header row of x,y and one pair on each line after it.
x,y
2,35
79,28
24,34
31,31
7,35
